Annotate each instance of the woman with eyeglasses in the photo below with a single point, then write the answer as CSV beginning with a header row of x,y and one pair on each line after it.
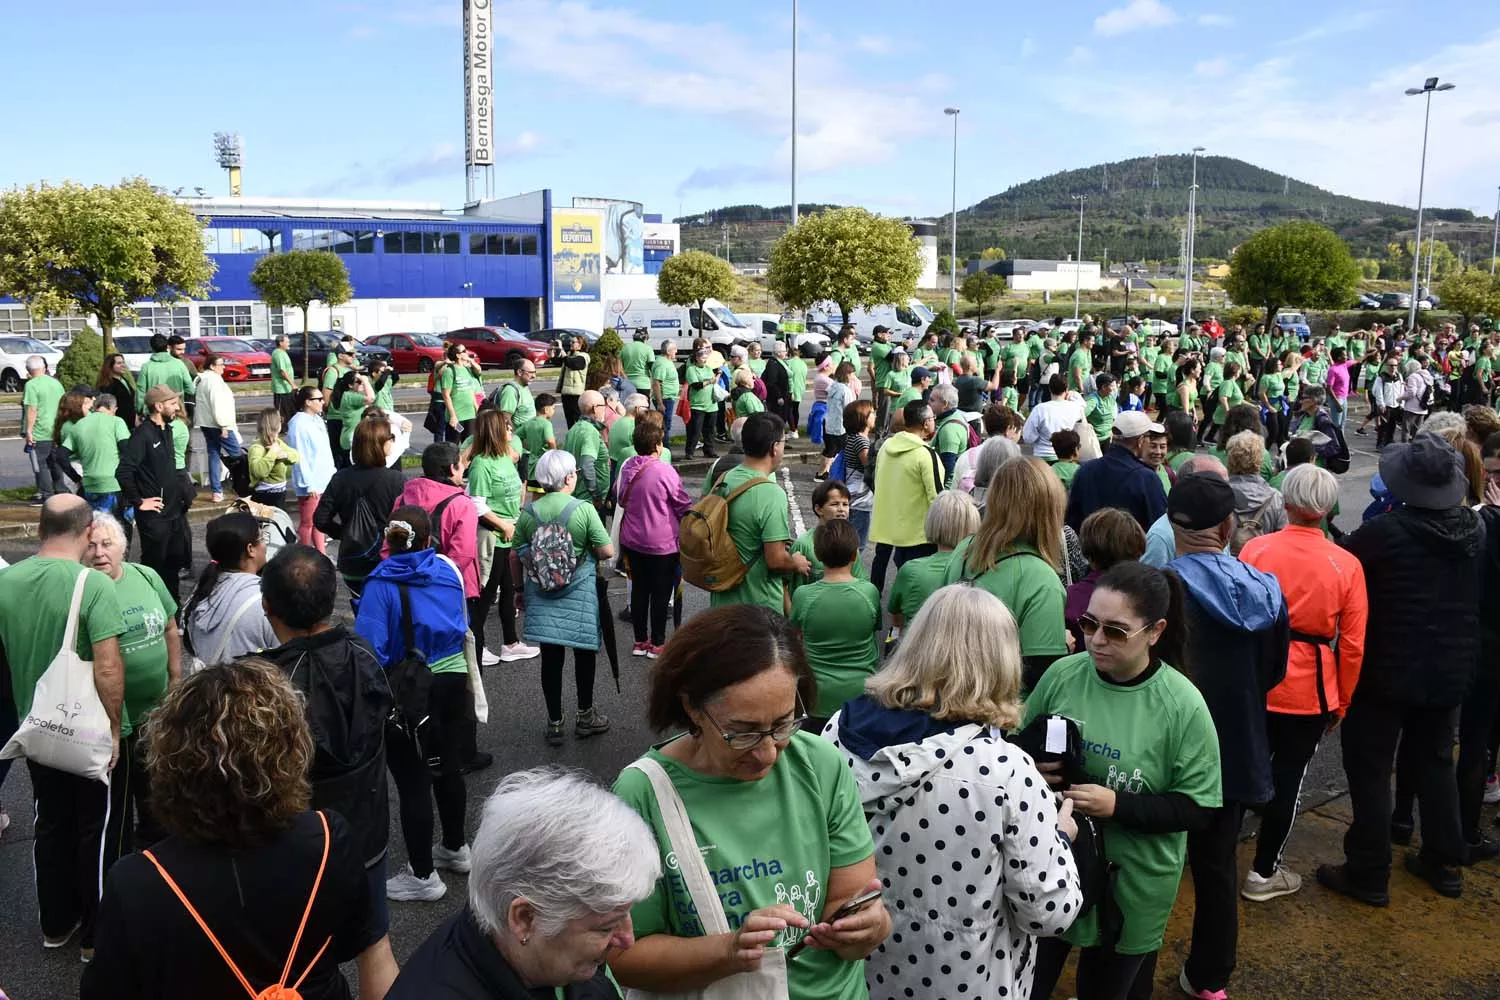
x,y
775,814
1151,756
459,383
307,435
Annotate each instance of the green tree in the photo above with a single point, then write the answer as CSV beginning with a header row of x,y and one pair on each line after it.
x,y
692,278
80,363
608,346
300,278
1471,293
1369,267
992,253
1397,263
99,250
1298,264
944,321
982,288
846,256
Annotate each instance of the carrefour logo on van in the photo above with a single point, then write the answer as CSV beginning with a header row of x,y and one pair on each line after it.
x,y
666,324
576,234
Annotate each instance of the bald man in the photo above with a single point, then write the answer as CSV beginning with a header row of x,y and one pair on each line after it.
x,y
1161,542
585,442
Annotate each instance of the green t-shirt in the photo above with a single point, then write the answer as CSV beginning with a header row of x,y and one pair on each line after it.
x,y
636,358
1034,345
1161,374
915,582
1238,357
1031,590
1273,385
461,385
1151,738
42,394
1176,460
911,393
1314,372
702,399
897,381
350,409
95,441
796,376
1080,367
331,375
1149,354
804,545
1065,471
1230,396
849,354
586,444
1213,374
757,365
163,369
145,609
584,525
1164,478
385,396
839,622
766,842
880,358
518,401
621,443
759,516
747,403
1259,344
180,436
665,372
1015,357
495,478
283,376
1100,413
34,597
537,437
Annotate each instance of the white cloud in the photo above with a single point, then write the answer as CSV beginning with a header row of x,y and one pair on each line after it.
x,y
1212,67
1215,20
1134,16
1343,24
874,44
1028,47
1080,55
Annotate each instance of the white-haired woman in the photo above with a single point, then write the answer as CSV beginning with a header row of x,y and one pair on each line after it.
x,y
994,453
951,518
558,864
151,649
567,617
933,770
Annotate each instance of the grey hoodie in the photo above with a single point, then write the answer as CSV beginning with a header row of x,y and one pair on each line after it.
x,y
1250,492
252,632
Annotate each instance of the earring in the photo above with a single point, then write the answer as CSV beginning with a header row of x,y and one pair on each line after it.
x,y
525,940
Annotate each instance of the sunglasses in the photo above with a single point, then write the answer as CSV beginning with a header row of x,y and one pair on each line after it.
x,y
1114,633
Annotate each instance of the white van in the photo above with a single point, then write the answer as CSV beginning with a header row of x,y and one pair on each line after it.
x,y
770,327
903,319
680,323
135,343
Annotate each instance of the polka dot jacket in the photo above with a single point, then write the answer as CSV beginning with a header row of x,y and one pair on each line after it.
x,y
966,842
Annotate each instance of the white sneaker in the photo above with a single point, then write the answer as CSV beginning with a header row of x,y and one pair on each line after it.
x,y
488,659
1281,883
1491,793
453,861
519,651
4,821
406,887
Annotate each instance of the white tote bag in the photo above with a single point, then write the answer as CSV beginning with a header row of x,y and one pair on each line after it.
x,y
766,983
67,728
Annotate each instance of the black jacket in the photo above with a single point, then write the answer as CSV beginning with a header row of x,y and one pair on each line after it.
x,y
1119,479
148,467
459,962
778,385
1423,574
124,394
348,702
336,508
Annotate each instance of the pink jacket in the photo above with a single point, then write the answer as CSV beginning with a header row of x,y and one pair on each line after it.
x,y
458,530
652,502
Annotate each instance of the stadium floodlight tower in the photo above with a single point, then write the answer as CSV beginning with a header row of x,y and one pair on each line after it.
x,y
229,149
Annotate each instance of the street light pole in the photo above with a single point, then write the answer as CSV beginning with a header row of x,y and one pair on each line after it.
x,y
794,112
1428,87
953,246
1431,252
1078,260
1495,244
1187,298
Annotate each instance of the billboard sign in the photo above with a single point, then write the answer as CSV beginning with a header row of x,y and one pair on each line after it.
x,y
576,247
624,227
479,85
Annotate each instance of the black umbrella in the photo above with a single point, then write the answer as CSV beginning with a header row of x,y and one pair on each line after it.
x,y
607,628
677,602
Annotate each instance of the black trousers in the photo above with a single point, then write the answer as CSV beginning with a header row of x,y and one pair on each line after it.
x,y
1103,973
1216,884
699,430
1371,731
130,799
583,677
161,545
1386,423
903,555
1293,740
652,580
721,424
432,767
76,844
570,409
501,583
793,414
1476,721
285,404
336,442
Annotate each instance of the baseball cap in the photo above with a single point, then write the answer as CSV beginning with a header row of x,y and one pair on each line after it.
x,y
919,373
1134,423
881,329
344,348
1199,500
159,394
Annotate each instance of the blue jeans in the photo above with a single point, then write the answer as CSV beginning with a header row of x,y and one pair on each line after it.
x,y
217,440
668,410
860,519
1339,414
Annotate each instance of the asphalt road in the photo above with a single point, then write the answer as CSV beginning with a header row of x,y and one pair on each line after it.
x,y
514,735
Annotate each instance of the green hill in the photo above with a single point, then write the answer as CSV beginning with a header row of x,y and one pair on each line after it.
x,y
1138,215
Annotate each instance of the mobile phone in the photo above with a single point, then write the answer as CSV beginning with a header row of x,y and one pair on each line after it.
x,y
852,906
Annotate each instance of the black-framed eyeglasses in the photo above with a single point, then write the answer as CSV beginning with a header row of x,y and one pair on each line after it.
x,y
780,733
1114,633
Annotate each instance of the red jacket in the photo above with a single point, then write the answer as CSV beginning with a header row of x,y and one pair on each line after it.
x,y
1325,595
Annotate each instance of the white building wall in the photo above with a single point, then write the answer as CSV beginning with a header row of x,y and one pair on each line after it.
x,y
1086,276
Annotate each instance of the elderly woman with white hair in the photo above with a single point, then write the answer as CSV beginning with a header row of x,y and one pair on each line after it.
x,y
1324,587
558,864
151,648
925,747
563,615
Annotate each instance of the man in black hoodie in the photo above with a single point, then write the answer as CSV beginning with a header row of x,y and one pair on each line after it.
x,y
149,486
1422,568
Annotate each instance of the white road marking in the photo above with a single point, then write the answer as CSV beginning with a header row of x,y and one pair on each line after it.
x,y
798,525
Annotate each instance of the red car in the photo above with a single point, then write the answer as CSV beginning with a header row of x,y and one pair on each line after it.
x,y
242,362
410,352
498,346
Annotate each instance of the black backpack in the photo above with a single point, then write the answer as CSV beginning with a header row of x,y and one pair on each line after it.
x,y
410,677
239,473
361,541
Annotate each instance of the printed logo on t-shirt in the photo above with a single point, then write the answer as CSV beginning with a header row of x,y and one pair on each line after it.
x,y
729,881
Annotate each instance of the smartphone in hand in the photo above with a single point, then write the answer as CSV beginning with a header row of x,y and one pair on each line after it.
x,y
852,906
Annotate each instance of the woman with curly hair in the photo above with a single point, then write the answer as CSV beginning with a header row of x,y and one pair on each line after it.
x,y
250,889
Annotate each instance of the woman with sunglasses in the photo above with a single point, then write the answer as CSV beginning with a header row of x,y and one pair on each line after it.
x,y
1151,755
774,811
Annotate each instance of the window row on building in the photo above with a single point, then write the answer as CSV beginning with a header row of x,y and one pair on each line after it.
x,y
363,241
213,320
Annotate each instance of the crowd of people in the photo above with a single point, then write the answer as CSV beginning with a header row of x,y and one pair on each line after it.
x,y
1091,663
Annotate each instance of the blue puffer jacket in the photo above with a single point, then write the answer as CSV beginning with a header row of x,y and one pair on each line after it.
x,y
567,617
439,614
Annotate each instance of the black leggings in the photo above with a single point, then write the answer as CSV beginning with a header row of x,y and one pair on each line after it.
x,y
1103,973
500,582
652,580
697,430
432,767
570,409
1293,741
583,677
793,414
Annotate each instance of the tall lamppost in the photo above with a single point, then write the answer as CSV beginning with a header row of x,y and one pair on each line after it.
x,y
794,112
1429,86
1078,260
1495,243
953,246
1192,227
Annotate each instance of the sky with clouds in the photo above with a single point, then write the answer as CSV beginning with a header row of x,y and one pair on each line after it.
x,y
687,106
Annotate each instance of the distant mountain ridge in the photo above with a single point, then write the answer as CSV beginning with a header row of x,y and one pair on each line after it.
x,y
1136,210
